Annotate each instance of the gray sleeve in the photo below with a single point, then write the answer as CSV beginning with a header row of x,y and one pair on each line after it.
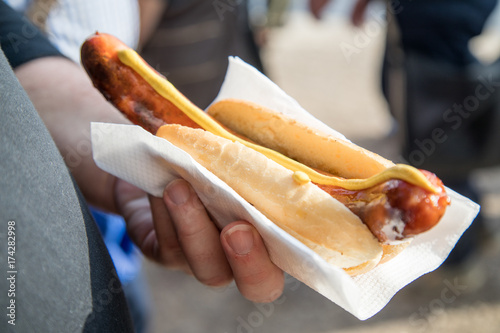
x,y
62,278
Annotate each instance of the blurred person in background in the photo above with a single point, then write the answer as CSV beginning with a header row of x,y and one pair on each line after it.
x,y
265,15
189,42
446,102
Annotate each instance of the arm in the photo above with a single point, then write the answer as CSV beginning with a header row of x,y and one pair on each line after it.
x,y
316,7
151,12
67,103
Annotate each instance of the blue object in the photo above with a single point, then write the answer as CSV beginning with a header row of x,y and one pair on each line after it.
x,y
126,257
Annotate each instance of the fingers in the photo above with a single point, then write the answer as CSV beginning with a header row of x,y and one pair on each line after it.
x,y
358,13
179,234
197,234
317,7
167,251
257,278
133,205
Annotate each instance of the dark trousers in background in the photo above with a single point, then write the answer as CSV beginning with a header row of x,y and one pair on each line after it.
x,y
446,102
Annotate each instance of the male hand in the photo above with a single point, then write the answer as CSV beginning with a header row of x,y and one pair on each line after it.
x,y
357,16
317,7
177,232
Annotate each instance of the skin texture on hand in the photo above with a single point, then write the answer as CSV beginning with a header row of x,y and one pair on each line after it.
x,y
175,230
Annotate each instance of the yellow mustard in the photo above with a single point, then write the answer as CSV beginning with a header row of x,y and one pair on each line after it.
x,y
302,173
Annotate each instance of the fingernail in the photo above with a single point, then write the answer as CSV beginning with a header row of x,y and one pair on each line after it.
x,y
240,239
178,192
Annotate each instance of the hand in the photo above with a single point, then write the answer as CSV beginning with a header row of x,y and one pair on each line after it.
x,y
317,6
357,16
358,13
177,232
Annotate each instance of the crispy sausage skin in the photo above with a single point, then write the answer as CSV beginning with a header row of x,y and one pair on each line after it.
x,y
393,210
126,89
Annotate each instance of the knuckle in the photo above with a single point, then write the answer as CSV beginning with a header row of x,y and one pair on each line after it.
x,y
172,256
191,230
262,287
199,259
256,279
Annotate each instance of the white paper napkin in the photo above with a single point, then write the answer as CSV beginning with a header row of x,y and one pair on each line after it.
x,y
150,163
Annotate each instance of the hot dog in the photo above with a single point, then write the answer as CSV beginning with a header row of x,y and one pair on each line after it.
x,y
393,210
353,223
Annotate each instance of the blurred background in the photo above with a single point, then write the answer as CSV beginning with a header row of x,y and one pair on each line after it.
x,y
333,70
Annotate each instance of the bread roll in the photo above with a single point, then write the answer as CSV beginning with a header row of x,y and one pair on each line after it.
x,y
295,140
304,211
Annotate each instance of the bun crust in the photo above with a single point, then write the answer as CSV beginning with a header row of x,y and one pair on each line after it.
x,y
304,211
295,140
392,250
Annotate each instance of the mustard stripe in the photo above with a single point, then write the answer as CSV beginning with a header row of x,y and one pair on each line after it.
x,y
163,87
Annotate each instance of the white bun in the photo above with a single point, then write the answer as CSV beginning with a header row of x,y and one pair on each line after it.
x,y
295,140
307,145
305,211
